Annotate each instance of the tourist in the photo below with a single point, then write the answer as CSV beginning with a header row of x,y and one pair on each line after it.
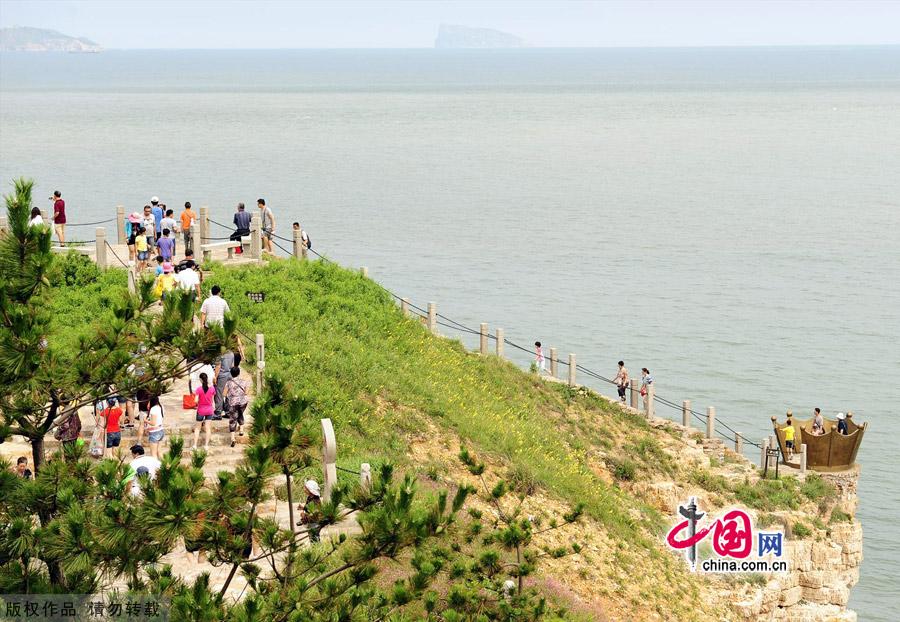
x,y
166,245
214,308
158,213
621,380
141,248
205,409
188,218
36,218
159,264
165,282
134,221
236,398
59,217
789,432
646,383
22,469
140,465
267,223
311,510
69,430
241,226
540,361
842,424
155,431
149,224
168,222
187,279
110,420
304,238
222,375
818,425
142,397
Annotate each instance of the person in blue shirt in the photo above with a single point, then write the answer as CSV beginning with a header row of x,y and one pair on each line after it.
x,y
158,214
241,225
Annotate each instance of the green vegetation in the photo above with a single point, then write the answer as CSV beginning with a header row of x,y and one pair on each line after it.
x,y
839,516
800,530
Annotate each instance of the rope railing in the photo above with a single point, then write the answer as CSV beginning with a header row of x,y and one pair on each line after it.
x,y
89,224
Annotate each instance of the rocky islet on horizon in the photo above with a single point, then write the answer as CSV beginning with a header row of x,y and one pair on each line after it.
x,y
27,39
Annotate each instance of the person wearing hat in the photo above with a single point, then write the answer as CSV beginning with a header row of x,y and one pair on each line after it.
x,y
157,211
165,282
842,424
132,224
311,510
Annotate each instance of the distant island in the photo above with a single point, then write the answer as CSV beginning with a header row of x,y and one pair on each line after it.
x,y
25,39
450,36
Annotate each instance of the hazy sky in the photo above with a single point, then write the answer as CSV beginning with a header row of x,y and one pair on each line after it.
x,y
374,23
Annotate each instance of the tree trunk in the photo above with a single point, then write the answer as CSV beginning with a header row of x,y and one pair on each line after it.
x,y
37,453
290,499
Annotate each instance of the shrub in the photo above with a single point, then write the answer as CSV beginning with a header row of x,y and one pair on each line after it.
x,y
839,516
800,530
623,470
817,489
709,481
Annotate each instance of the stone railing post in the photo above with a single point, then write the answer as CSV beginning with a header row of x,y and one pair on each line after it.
x,y
686,414
635,392
802,458
554,363
329,459
260,361
204,228
483,338
432,317
572,370
763,453
710,422
4,225
365,476
404,306
651,390
500,342
738,443
255,240
298,245
120,224
132,286
364,271
100,236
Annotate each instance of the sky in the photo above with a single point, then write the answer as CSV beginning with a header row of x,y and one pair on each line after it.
x,y
237,24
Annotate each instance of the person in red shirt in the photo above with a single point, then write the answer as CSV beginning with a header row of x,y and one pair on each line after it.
x,y
59,217
110,417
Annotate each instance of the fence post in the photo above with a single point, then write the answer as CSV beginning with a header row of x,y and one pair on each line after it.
x,y
255,241
204,229
404,306
648,400
364,271
572,368
483,338
100,236
686,414
4,226
500,342
132,286
738,443
635,391
802,458
710,422
764,454
432,317
120,224
298,244
329,456
554,363
365,476
260,361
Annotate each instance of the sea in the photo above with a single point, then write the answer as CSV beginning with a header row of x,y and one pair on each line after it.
x,y
727,217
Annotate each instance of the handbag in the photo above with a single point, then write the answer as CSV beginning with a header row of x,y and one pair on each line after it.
x,y
643,391
189,401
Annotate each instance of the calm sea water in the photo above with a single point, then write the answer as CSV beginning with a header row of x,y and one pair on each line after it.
x,y
726,217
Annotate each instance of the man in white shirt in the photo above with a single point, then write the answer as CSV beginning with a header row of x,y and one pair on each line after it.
x,y
188,280
214,308
141,464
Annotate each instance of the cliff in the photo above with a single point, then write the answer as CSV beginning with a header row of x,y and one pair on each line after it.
x,y
25,39
450,36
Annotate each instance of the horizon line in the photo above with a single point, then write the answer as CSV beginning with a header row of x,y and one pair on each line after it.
x,y
486,49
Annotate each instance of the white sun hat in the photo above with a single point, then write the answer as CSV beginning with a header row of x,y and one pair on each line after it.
x,y
154,199
312,487
841,416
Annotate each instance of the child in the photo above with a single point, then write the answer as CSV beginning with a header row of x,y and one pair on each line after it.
x,y
166,245
310,512
159,265
540,360
142,249
165,282
789,438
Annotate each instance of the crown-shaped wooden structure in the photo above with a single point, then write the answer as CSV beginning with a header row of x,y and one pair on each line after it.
x,y
831,451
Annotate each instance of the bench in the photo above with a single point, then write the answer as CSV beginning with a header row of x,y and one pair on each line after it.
x,y
229,244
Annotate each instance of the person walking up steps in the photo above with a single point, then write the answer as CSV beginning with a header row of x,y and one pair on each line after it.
x,y
59,217
621,380
169,222
236,399
205,397
214,308
266,223
155,431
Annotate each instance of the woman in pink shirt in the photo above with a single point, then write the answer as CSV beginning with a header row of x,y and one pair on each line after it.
x,y
206,394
